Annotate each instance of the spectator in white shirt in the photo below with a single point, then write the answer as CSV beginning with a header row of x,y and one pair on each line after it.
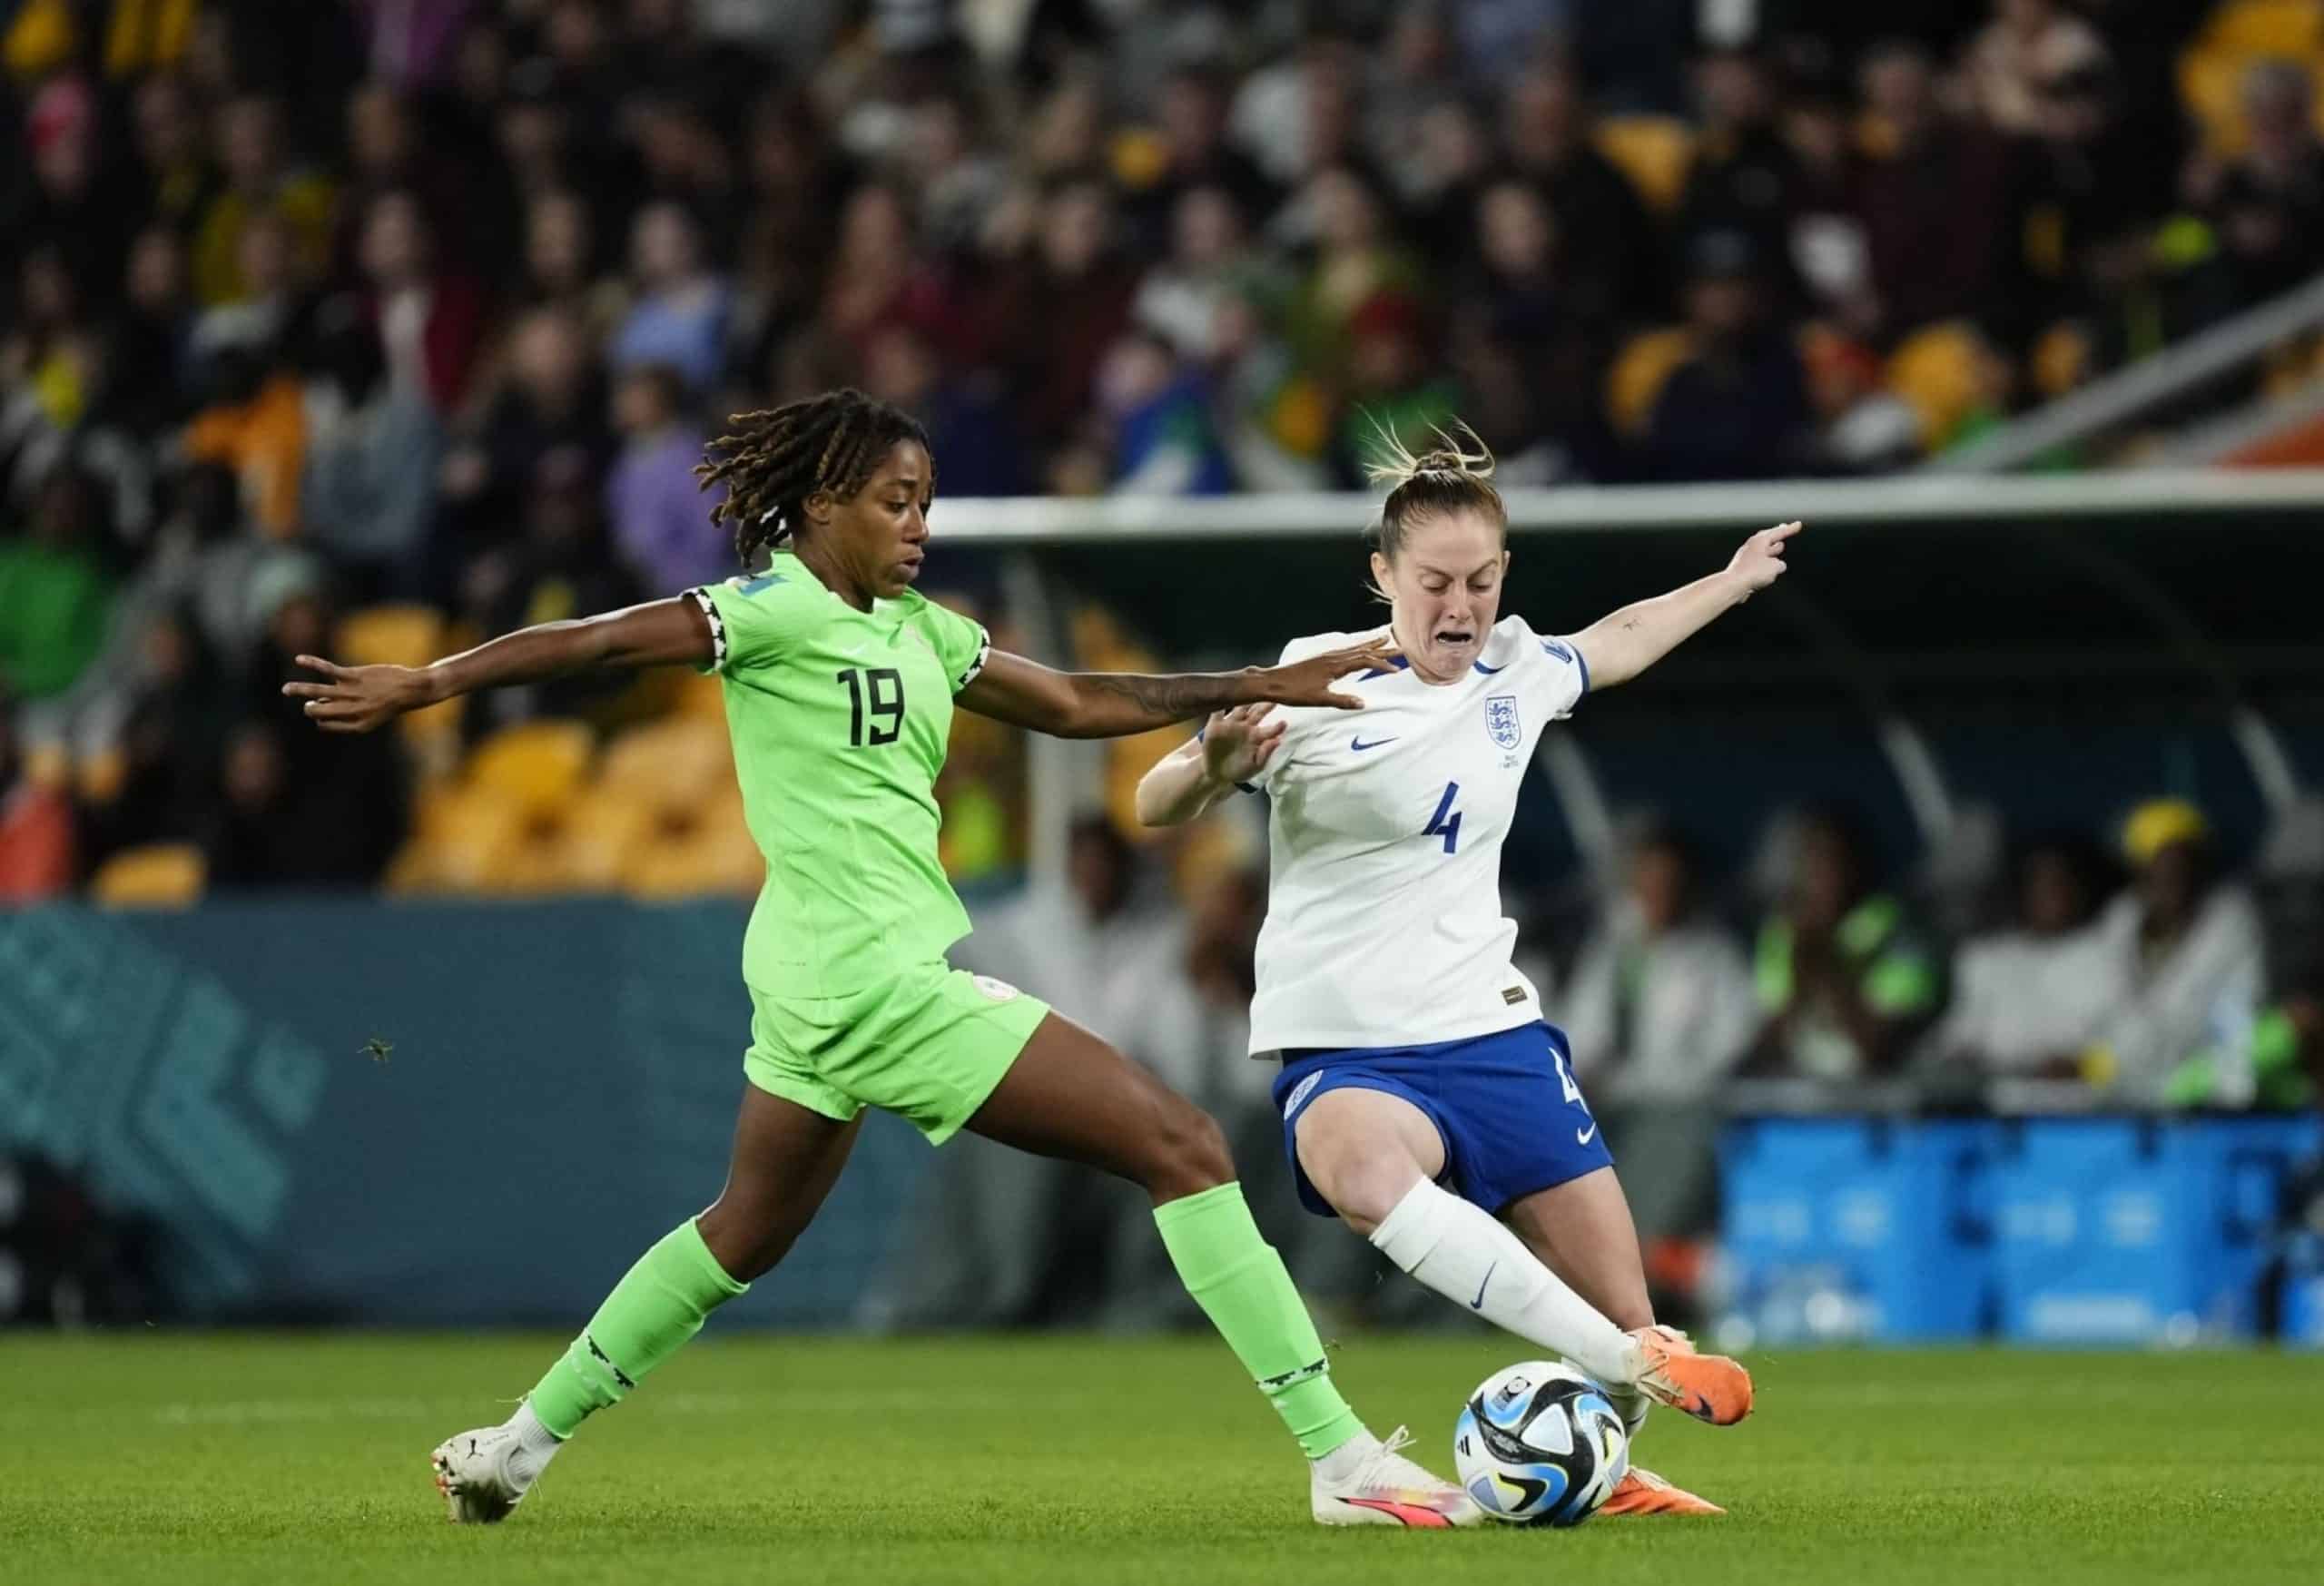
x,y
1661,1005
2030,1000
1660,1010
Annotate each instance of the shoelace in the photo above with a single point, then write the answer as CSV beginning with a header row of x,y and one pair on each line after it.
x,y
1381,1470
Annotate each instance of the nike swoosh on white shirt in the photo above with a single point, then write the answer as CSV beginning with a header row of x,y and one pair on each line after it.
x,y
1583,1136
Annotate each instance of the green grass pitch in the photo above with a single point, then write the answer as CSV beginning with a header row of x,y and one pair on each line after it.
x,y
188,1460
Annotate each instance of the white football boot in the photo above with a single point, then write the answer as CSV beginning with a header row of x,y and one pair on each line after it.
x,y
482,1474
1371,1483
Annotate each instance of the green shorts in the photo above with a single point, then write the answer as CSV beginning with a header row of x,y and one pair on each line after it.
x,y
929,1046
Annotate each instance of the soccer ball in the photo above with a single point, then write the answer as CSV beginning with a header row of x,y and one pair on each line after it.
x,y
1539,1444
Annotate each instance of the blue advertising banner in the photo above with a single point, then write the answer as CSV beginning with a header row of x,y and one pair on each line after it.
x,y
2083,1231
414,1114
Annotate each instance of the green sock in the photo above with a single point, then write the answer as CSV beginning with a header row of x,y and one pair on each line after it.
x,y
658,1305
1241,1287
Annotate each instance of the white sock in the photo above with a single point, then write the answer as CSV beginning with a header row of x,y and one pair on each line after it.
x,y
1629,1402
1347,1459
1464,1253
536,1444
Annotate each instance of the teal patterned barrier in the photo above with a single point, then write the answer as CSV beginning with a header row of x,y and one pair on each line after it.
x,y
439,1115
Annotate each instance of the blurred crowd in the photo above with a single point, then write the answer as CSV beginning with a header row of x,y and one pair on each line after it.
x,y
312,305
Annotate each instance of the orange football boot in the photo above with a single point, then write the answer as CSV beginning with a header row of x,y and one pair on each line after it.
x,y
1644,1493
1710,1387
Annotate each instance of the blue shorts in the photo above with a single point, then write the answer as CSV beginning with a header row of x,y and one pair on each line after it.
x,y
1505,1105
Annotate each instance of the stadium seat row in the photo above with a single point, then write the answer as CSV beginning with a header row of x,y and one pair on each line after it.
x,y
2052,1230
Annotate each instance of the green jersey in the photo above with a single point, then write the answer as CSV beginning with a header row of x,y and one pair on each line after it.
x,y
839,719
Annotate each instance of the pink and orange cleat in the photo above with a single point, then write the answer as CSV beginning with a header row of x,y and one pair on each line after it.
x,y
1382,1487
1710,1387
1644,1493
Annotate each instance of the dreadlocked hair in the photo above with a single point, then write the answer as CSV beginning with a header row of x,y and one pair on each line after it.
x,y
776,457
1453,476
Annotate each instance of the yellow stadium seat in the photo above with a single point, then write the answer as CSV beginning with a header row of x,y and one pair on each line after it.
x,y
462,843
1943,373
2210,88
700,693
1640,371
2060,361
433,736
2240,34
975,842
48,765
41,38
410,873
535,857
390,635
536,765
600,831
100,775
678,766
2266,27
161,875
147,35
1655,151
716,855
1101,643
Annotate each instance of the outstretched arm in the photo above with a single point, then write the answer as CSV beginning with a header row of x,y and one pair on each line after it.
x,y
1619,647
1116,705
357,699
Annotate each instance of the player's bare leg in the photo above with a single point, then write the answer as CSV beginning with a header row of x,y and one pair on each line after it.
x,y
786,1160
1071,1095
1375,1157
1364,1149
1582,1231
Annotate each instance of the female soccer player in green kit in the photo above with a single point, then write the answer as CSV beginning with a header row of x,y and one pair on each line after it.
x,y
840,683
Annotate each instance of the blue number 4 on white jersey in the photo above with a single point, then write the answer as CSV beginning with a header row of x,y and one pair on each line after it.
x,y
1383,914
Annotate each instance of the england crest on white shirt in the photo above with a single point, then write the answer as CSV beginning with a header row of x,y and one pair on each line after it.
x,y
1501,721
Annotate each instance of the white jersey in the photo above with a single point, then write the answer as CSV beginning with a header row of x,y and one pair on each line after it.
x,y
1384,924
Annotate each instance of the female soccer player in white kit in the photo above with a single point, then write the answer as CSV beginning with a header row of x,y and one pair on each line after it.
x,y
1426,1101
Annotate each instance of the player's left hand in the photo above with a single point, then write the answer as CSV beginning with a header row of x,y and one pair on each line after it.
x,y
1309,681
357,699
1237,744
1760,561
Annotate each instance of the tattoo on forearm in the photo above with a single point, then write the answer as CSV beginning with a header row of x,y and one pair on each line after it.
x,y
1172,699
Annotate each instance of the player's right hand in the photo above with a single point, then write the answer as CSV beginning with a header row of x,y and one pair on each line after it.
x,y
1309,681
1237,742
357,699
1760,561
